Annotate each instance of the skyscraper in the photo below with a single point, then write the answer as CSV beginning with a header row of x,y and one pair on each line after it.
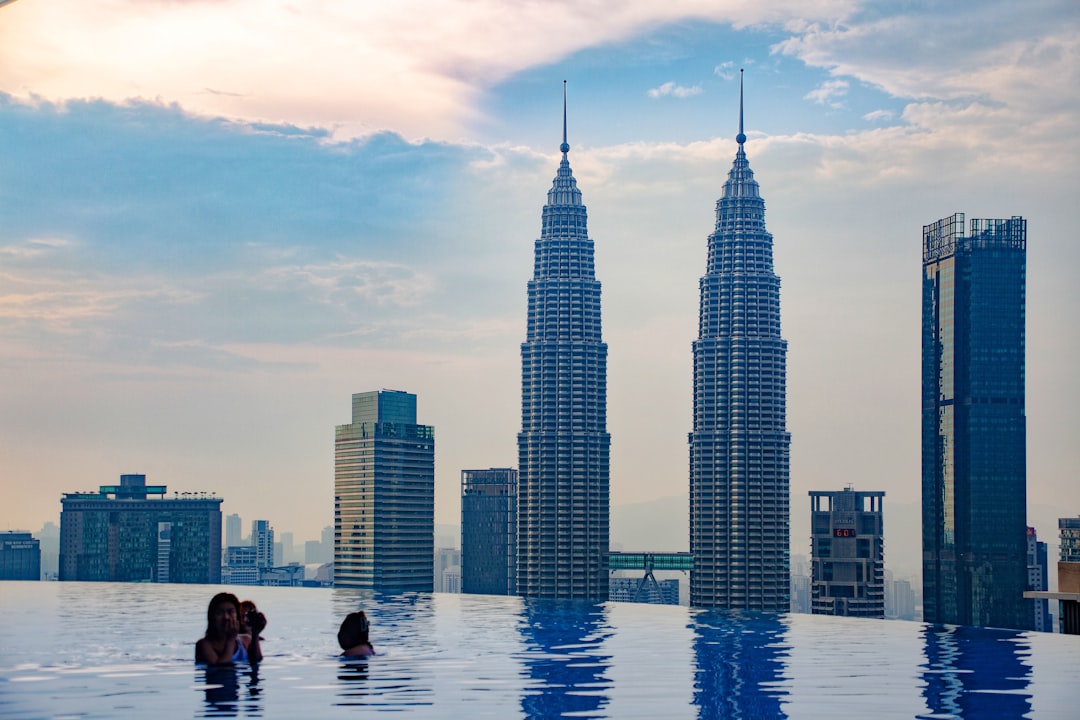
x,y
262,539
739,447
1038,567
974,452
848,543
384,495
232,530
489,531
131,532
564,445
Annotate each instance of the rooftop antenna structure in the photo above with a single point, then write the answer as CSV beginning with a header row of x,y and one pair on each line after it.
x,y
565,147
741,137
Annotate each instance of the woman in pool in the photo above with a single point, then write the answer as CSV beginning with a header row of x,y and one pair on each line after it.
x,y
353,636
223,643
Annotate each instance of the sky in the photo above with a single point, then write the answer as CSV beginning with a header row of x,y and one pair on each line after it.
x,y
221,218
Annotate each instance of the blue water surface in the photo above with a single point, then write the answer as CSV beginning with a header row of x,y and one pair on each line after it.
x,y
105,650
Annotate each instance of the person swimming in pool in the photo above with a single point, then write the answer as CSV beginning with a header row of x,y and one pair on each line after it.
x,y
223,643
353,636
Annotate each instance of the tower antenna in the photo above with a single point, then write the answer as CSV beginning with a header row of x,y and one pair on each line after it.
x,y
565,147
741,137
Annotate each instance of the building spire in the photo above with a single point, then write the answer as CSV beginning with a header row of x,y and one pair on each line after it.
x,y
565,147
741,137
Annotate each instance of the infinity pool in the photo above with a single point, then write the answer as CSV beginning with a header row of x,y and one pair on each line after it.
x,y
102,650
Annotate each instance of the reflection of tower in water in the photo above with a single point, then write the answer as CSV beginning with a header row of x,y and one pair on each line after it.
x,y
974,673
738,665
564,658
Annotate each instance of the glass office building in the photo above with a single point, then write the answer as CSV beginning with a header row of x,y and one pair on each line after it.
x,y
974,451
384,495
564,445
116,535
739,446
489,531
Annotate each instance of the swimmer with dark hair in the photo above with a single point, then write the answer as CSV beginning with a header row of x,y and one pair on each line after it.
x,y
353,636
223,643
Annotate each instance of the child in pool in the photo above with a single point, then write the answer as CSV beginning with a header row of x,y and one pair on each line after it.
x,y
223,644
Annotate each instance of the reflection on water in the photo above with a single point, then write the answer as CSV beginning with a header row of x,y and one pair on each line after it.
x,y
739,660
101,650
976,673
564,659
224,698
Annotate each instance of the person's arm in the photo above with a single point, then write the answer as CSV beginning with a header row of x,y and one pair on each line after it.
x,y
254,648
204,653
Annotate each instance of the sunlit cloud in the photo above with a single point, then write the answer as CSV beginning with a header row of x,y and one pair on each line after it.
x,y
670,89
828,91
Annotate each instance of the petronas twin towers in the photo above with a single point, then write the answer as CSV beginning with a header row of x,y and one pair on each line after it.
x,y
739,444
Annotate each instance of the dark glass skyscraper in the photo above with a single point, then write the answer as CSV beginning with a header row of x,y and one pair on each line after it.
x,y
384,495
563,446
489,531
974,449
739,448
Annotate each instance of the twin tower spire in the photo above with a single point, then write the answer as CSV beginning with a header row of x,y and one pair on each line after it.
x,y
739,444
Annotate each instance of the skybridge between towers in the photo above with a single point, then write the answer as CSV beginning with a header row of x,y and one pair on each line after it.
x,y
647,562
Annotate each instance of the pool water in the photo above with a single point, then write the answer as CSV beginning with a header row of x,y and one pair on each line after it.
x,y
104,650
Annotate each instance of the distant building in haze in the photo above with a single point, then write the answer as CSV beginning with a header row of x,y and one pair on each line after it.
x,y
739,446
899,599
564,446
447,568
489,531
631,589
384,495
20,556
262,539
132,533
848,551
974,431
1037,579
233,530
241,565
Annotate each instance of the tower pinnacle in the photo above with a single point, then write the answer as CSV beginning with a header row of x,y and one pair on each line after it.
x,y
741,137
565,147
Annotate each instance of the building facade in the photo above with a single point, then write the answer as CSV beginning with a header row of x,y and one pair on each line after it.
x,y
564,446
739,446
848,553
1038,579
974,451
20,556
489,531
384,495
262,539
233,530
132,533
1069,535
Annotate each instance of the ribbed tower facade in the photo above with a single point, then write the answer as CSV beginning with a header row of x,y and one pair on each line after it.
x,y
739,447
563,446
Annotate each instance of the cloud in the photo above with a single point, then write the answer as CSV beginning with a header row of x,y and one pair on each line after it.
x,y
673,90
341,66
827,91
725,70
879,116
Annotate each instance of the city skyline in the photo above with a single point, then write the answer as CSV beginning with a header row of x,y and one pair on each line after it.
x,y
198,265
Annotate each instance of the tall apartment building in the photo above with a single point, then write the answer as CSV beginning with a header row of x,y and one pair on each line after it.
x,y
564,446
132,533
20,556
262,539
384,495
739,446
848,553
1038,579
489,531
974,430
